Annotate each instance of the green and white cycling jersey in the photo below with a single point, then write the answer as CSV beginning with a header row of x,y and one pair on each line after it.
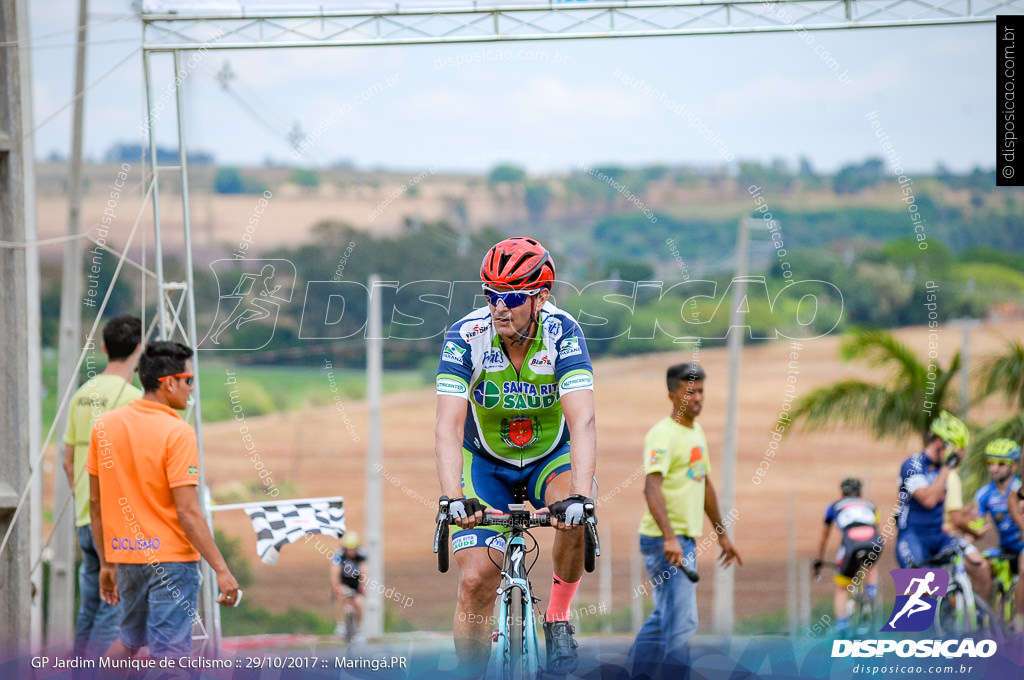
x,y
514,417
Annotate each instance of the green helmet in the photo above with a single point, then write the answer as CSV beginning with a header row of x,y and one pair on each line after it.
x,y
951,429
1002,449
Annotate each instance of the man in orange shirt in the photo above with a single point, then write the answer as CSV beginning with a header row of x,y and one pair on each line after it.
x,y
143,472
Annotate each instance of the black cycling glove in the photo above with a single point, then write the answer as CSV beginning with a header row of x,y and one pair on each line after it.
x,y
461,508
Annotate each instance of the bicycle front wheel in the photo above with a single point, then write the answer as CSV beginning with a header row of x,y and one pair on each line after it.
x,y
515,627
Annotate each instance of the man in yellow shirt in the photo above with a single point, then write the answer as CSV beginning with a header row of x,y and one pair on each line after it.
x,y
97,623
679,493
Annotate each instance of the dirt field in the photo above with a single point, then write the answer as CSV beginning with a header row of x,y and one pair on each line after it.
x,y
318,451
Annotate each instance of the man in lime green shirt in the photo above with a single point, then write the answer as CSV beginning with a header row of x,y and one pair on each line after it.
x,y
98,622
679,493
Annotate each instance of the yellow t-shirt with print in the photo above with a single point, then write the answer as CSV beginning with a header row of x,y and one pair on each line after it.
x,y
95,397
680,454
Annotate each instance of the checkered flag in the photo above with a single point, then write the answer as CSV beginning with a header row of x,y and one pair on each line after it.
x,y
281,523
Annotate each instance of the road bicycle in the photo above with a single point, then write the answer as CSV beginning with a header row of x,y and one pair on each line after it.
x,y
1004,584
516,654
959,611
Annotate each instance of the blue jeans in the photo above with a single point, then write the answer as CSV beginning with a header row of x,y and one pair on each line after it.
x,y
97,624
160,602
663,638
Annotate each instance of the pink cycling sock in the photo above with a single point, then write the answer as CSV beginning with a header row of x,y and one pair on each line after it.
x,y
561,598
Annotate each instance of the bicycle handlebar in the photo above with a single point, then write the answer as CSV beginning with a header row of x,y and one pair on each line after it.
x,y
519,519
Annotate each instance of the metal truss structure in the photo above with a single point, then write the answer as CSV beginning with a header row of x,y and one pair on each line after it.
x,y
551,21
181,31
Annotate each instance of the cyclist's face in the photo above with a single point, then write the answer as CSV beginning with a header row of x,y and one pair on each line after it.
x,y
514,323
999,470
688,399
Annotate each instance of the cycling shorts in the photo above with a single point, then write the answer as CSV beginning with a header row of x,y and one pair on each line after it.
x,y
913,548
861,547
492,482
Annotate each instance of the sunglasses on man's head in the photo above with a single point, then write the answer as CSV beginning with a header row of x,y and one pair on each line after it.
x,y
511,299
187,376
998,462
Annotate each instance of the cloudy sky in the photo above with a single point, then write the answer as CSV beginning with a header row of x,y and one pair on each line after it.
x,y
547,105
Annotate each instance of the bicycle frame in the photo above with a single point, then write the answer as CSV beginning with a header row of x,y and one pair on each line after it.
x,y
516,584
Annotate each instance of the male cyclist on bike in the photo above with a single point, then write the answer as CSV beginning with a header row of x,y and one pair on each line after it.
x,y
515,410
347,580
857,520
922,494
995,498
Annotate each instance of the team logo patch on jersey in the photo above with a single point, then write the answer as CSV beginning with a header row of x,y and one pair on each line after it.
x,y
494,359
570,347
520,431
657,455
453,353
193,470
449,386
478,328
541,363
487,394
553,327
576,381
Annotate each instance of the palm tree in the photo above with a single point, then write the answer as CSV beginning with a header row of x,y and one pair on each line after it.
x,y
905,404
1001,374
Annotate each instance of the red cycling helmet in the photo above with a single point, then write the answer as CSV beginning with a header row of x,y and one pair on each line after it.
x,y
518,262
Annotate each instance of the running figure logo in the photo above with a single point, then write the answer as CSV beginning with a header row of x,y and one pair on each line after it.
x,y
255,298
914,610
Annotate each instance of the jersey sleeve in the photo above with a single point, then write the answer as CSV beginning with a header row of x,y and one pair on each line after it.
x,y
657,453
913,478
182,462
455,367
573,370
830,514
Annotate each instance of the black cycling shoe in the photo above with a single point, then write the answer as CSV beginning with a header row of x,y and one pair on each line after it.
x,y
561,646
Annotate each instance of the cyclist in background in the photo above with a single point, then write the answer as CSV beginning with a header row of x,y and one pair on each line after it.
x,y
515,409
995,498
857,520
922,494
347,581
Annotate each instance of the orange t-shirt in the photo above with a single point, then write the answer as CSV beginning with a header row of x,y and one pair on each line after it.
x,y
140,452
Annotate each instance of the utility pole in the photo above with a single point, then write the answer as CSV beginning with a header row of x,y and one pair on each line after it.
x,y
373,617
62,591
20,418
722,607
